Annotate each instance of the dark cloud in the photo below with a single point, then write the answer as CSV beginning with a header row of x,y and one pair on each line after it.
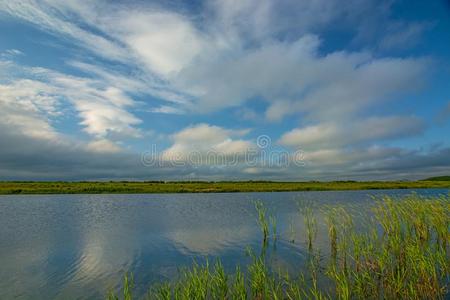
x,y
24,158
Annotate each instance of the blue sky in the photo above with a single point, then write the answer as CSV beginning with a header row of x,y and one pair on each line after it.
x,y
343,90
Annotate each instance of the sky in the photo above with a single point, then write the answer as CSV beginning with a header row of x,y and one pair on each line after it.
x,y
224,90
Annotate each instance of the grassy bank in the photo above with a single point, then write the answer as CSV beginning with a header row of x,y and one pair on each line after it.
x,y
404,254
205,187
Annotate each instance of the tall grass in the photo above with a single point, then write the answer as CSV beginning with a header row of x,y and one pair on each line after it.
x,y
262,219
266,222
310,223
403,254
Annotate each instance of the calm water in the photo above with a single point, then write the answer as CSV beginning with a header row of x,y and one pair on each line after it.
x,y
79,246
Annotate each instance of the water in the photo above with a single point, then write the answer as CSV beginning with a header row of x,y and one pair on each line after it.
x,y
79,246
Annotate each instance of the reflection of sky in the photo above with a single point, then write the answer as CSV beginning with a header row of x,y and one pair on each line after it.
x,y
81,245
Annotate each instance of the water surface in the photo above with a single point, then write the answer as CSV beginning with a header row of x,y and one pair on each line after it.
x,y
79,246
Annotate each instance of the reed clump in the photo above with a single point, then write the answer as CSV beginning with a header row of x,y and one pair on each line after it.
x,y
310,222
267,222
403,254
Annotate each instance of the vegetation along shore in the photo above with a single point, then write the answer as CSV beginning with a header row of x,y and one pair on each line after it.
x,y
123,187
402,254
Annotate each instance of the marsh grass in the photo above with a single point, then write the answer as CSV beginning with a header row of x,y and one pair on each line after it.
x,y
262,219
306,210
267,222
291,231
403,254
128,285
127,187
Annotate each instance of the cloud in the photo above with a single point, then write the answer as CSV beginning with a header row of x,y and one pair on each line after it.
x,y
11,53
166,109
247,114
56,19
206,59
254,20
27,106
343,86
33,158
103,119
375,162
332,135
103,146
147,33
403,35
44,94
135,83
204,140
353,158
252,46
295,78
80,24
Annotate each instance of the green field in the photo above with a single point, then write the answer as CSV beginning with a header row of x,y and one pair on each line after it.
x,y
115,187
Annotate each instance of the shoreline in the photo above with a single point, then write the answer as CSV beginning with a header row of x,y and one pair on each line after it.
x,y
133,187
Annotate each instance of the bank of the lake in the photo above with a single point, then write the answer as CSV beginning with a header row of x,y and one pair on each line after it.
x,y
128,187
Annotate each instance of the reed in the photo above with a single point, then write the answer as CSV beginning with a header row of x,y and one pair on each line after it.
x,y
128,284
262,219
291,231
403,254
310,223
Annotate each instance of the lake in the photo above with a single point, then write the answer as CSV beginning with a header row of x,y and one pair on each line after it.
x,y
80,246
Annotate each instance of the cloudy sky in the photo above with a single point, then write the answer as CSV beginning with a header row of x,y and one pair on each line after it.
x,y
237,89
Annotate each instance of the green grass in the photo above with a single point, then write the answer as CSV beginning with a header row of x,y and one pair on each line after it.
x,y
117,187
439,178
403,254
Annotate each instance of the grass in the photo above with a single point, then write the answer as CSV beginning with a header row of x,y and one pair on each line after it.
x,y
439,178
116,187
310,223
262,219
403,254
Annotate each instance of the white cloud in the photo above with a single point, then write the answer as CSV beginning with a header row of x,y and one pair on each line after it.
x,y
46,93
165,109
27,106
204,140
254,20
11,53
134,82
60,18
102,120
359,86
28,111
56,19
101,108
350,158
232,52
103,146
332,135
165,41
294,78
